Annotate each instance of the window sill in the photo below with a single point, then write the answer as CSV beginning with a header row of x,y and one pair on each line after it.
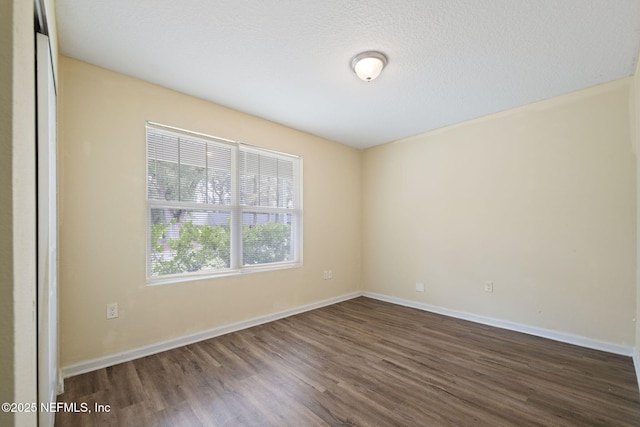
x,y
154,281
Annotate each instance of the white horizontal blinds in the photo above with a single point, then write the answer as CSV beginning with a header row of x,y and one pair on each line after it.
x,y
192,170
186,172
267,180
162,166
286,185
249,167
219,185
188,169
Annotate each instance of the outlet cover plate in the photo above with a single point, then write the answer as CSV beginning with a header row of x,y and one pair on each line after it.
x,y
112,310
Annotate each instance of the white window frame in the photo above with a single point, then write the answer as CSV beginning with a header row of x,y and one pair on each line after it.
x,y
235,209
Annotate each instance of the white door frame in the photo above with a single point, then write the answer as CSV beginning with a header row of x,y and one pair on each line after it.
x,y
47,293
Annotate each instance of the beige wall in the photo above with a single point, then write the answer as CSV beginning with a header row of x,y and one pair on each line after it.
x,y
103,216
539,199
17,210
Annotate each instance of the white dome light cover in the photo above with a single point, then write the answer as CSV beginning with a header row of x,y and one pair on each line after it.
x,y
368,65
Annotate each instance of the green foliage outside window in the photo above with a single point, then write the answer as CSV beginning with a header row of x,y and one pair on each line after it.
x,y
201,247
270,242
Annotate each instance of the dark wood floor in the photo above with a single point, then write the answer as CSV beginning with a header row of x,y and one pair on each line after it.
x,y
364,362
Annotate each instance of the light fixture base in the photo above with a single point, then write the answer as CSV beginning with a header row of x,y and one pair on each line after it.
x,y
368,65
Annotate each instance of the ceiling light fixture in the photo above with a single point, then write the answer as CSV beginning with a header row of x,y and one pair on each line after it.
x,y
368,65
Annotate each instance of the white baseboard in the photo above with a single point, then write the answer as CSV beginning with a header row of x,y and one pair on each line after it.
x,y
136,353
60,385
518,327
636,362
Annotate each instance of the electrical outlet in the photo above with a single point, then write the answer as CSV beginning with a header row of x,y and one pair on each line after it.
x,y
419,287
328,275
488,287
112,310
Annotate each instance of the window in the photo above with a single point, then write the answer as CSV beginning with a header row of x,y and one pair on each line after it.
x,y
219,207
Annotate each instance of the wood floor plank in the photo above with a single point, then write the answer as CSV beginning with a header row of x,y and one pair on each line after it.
x,y
363,362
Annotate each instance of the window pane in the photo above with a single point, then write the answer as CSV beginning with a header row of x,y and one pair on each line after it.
x,y
162,164
193,167
267,237
188,169
266,180
219,175
249,178
188,240
196,186
285,184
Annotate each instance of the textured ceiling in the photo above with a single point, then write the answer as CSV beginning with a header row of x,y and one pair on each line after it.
x,y
288,61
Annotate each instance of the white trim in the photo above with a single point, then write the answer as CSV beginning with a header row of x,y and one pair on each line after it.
x,y
636,362
47,284
60,388
512,326
206,275
189,133
136,353
259,150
